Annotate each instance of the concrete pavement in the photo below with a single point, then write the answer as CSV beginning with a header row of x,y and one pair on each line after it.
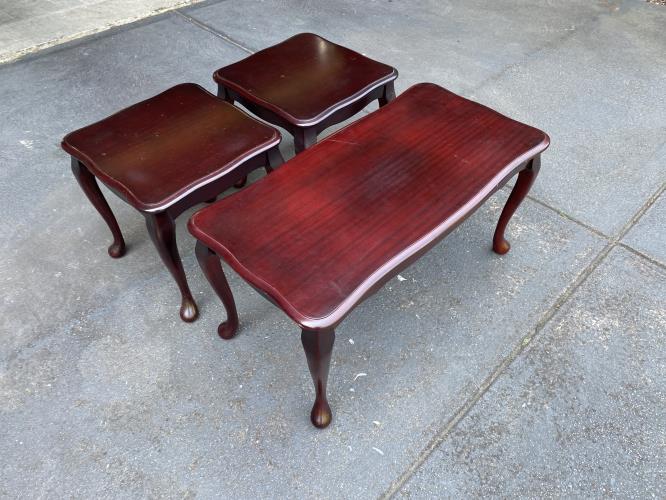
x,y
539,373
27,26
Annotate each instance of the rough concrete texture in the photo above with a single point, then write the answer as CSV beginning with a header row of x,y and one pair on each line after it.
x,y
582,413
597,94
589,73
28,25
105,393
648,234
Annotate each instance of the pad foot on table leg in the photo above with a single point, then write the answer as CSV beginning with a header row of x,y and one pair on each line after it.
x,y
525,180
241,182
318,346
321,415
501,246
212,269
117,249
188,310
227,329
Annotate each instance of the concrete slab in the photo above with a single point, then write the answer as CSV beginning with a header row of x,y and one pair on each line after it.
x,y
125,400
582,413
28,25
599,96
456,44
648,235
105,393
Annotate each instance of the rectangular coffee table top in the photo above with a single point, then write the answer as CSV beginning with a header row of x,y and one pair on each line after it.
x,y
334,223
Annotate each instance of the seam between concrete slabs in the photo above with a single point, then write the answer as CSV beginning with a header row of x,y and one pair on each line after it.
x,y
565,215
559,212
650,259
562,299
215,32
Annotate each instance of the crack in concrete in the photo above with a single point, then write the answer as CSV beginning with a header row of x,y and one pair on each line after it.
x,y
643,255
525,341
565,215
215,32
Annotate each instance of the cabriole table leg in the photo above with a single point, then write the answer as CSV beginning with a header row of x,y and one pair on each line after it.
x,y
318,346
162,230
91,189
525,180
212,269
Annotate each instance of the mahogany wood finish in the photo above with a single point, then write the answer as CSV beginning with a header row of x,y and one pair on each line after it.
x,y
525,180
306,84
318,347
162,231
89,185
346,215
212,269
164,155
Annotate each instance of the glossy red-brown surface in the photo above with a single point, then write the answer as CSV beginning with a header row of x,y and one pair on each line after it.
x,y
526,178
305,78
210,265
318,347
161,149
324,230
91,189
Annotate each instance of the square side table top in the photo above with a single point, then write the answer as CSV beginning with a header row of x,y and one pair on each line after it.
x,y
305,79
159,150
340,217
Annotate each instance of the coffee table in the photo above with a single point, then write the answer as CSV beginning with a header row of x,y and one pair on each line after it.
x,y
306,84
333,224
165,155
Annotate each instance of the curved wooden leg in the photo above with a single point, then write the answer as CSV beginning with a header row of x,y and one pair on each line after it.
x,y
388,94
273,159
318,347
89,185
525,180
162,231
304,138
212,269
